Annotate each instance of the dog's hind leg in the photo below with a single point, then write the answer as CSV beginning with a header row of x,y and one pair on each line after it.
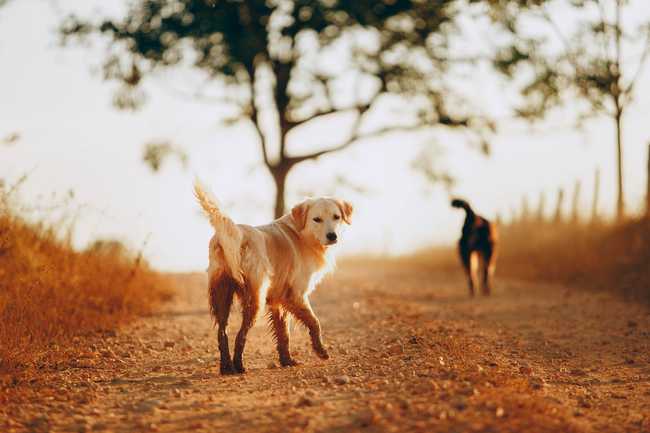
x,y
221,296
489,265
250,303
280,328
466,259
474,266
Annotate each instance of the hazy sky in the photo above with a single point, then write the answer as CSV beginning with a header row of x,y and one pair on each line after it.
x,y
73,139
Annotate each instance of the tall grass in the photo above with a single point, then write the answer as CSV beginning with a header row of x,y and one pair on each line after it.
x,y
50,293
610,257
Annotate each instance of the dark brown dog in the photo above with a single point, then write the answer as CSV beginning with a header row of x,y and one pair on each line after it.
x,y
478,243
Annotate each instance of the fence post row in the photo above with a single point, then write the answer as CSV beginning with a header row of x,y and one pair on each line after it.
x,y
594,205
558,208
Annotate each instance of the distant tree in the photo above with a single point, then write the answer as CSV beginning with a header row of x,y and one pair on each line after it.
x,y
270,58
577,50
156,152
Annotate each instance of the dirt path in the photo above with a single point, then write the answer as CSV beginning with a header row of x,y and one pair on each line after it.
x,y
410,352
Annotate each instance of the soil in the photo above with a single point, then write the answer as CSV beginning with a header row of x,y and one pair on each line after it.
x,y
410,351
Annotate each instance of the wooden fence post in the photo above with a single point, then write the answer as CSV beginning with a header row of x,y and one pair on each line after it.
x,y
575,206
594,204
541,208
524,217
558,208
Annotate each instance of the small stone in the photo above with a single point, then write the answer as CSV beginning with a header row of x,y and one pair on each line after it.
x,y
525,369
536,382
404,404
367,418
500,412
99,426
342,380
146,406
169,344
305,401
459,404
583,402
271,365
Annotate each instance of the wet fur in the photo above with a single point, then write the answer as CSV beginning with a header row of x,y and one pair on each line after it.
x,y
477,248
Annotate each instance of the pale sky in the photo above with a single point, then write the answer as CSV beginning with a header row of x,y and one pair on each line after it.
x,y
73,139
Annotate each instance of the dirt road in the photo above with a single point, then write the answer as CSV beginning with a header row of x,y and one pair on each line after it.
x,y
409,352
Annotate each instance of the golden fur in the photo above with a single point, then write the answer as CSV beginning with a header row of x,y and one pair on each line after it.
x,y
277,265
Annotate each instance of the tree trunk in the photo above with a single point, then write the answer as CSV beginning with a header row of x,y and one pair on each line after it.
x,y
620,202
280,173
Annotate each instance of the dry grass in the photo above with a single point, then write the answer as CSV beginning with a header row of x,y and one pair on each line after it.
x,y
606,257
603,257
50,294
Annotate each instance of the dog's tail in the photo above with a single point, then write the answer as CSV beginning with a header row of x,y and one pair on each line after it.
x,y
229,236
462,204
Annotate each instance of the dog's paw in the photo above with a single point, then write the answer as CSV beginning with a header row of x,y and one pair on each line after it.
x,y
239,368
227,370
322,353
290,362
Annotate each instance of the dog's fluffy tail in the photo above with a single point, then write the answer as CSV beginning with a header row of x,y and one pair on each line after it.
x,y
228,235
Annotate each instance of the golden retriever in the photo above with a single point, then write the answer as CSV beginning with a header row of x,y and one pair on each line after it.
x,y
277,265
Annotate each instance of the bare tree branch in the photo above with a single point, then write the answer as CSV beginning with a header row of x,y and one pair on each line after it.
x,y
644,57
295,123
356,138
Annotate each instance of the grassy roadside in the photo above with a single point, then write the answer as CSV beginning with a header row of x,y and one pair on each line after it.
x,y
50,294
615,258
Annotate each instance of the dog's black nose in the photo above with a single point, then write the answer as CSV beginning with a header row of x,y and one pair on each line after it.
x,y
331,236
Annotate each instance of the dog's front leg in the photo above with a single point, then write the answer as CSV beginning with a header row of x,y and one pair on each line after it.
x,y
302,310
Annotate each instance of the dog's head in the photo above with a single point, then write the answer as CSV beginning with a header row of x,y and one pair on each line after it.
x,y
321,219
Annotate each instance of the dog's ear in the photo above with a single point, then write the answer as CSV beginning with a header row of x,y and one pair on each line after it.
x,y
299,214
346,210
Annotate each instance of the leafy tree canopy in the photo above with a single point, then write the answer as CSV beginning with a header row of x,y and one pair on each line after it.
x,y
284,63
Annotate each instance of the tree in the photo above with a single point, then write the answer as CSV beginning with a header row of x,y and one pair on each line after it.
x,y
269,59
598,59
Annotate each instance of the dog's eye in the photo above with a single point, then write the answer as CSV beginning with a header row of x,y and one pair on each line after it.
x,y
337,217
318,220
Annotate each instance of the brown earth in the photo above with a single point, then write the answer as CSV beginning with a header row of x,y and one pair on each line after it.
x,y
409,352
